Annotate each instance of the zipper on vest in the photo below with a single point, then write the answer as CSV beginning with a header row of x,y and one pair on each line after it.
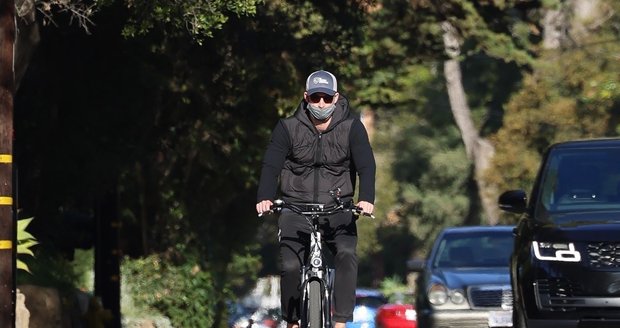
x,y
317,157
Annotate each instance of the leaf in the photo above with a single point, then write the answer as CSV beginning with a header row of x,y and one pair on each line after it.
x,y
24,235
23,223
25,240
23,266
24,248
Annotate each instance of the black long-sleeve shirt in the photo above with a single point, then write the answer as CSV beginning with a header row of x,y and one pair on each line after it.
x,y
362,161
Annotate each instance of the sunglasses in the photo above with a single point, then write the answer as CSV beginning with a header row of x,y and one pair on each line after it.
x,y
315,98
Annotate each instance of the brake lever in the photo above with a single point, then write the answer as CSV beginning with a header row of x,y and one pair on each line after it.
x,y
358,211
265,213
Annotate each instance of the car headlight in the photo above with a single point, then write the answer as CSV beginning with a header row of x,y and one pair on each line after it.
x,y
457,297
562,252
437,294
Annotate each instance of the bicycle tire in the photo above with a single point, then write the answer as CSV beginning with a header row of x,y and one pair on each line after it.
x,y
327,308
329,298
315,308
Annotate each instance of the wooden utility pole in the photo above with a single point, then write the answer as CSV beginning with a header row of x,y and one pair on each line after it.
x,y
7,222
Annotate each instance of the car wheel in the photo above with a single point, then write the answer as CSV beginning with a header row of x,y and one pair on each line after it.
x,y
518,319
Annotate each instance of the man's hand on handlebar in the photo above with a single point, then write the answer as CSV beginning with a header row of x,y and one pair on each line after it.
x,y
263,207
366,207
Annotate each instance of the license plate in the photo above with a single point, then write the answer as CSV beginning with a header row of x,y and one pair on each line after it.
x,y
500,319
411,315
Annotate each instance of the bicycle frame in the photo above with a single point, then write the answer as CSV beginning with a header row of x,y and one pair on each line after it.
x,y
316,270
317,279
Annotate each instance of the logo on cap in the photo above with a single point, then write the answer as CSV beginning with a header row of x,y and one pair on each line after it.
x,y
320,80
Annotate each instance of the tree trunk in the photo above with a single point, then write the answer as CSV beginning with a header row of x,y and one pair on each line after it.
x,y
108,256
7,222
554,28
27,37
572,22
479,150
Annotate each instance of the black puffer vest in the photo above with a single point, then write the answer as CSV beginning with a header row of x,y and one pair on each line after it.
x,y
318,162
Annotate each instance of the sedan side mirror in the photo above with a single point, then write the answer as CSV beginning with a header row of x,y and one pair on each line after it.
x,y
416,265
514,201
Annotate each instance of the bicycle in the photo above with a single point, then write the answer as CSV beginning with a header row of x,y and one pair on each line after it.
x,y
316,277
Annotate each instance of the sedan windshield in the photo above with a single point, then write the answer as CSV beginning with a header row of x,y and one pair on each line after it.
x,y
580,181
472,249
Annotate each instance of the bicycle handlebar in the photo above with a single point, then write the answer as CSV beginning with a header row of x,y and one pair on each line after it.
x,y
315,209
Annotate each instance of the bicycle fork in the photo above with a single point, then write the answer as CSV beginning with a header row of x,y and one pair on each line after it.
x,y
318,271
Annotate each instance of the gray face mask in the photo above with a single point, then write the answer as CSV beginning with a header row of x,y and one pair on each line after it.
x,y
321,114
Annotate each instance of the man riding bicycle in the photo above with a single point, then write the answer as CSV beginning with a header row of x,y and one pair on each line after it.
x,y
321,148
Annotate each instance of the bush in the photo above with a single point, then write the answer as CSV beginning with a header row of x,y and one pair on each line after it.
x,y
53,269
396,290
183,293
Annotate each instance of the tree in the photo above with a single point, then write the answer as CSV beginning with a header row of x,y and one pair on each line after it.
x,y
432,185
571,92
176,127
492,29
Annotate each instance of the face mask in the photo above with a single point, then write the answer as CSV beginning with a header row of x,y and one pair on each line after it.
x,y
321,114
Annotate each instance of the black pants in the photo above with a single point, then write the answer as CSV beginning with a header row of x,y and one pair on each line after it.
x,y
339,233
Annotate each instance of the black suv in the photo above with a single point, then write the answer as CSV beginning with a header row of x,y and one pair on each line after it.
x,y
565,266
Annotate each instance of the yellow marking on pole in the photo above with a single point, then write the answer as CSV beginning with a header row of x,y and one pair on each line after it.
x,y
6,200
6,244
4,158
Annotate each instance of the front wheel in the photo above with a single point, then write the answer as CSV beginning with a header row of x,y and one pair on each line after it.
x,y
518,318
312,315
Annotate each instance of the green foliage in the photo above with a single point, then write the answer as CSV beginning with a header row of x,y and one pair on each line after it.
x,y
177,117
572,93
83,265
396,291
424,178
432,170
25,240
242,271
176,128
500,29
52,269
492,37
197,18
183,293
